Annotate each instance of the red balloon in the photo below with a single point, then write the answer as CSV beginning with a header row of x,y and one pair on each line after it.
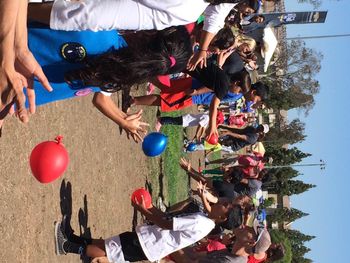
x,y
213,139
137,196
49,160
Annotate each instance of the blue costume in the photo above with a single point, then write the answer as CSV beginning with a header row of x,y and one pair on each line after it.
x,y
61,51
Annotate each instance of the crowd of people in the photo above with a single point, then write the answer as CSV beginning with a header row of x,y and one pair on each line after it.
x,y
196,52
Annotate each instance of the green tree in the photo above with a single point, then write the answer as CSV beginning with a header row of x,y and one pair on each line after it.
x,y
283,156
277,175
296,237
293,77
291,187
278,236
268,202
291,98
298,252
284,133
287,215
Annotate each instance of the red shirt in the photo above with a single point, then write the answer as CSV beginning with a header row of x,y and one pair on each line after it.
x,y
252,259
250,163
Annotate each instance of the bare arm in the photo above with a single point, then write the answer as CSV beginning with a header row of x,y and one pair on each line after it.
x,y
131,124
213,111
235,135
11,83
154,217
201,56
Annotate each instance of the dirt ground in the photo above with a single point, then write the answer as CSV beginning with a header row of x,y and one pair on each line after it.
x,y
103,171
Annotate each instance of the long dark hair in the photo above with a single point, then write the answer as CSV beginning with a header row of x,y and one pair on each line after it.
x,y
147,55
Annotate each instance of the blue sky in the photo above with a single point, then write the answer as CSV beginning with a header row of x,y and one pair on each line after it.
x,y
328,138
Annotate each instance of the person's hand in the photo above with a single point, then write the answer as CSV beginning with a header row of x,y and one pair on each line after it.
x,y
201,188
134,127
11,91
212,131
199,58
140,206
185,164
27,65
223,55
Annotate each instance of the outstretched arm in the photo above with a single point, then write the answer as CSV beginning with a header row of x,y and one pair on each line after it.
x,y
153,215
213,111
130,123
11,82
17,64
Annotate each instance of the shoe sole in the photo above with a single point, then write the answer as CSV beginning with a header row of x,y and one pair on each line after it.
x,y
57,251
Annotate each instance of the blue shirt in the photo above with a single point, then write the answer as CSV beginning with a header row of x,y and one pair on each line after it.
x,y
206,98
46,45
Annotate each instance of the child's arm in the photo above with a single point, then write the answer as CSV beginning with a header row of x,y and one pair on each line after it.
x,y
213,111
202,90
131,124
203,195
152,215
235,135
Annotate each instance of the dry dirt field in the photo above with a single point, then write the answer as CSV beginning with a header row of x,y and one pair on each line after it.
x,y
104,169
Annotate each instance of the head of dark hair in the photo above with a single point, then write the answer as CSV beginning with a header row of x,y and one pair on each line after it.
x,y
148,55
261,90
224,39
244,80
217,2
253,4
275,252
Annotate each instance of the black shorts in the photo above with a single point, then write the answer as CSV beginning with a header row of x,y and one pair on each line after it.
x,y
131,247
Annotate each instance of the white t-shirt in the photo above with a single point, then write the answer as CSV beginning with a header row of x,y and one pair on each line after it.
x,y
190,120
99,15
158,243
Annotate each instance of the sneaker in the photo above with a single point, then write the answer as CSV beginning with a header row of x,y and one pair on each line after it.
x,y
60,240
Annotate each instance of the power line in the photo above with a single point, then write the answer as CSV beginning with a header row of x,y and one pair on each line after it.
x,y
317,37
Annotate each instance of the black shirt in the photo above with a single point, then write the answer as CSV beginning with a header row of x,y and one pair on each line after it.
x,y
213,78
237,144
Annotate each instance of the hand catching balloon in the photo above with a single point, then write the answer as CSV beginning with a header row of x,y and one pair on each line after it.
x,y
134,127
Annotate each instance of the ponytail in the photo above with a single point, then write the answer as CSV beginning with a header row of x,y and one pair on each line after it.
x,y
149,54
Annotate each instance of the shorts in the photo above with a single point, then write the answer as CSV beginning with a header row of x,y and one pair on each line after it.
x,y
124,248
174,96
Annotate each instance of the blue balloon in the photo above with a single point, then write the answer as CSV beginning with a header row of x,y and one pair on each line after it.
x,y
154,144
191,147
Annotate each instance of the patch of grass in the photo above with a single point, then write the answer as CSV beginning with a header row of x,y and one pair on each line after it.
x,y
177,184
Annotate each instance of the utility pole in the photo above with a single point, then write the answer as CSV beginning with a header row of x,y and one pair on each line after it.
x,y
317,37
321,164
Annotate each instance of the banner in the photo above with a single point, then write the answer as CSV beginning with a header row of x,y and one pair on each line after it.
x,y
278,19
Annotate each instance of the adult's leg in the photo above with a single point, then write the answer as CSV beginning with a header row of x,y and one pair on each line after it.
x,y
40,12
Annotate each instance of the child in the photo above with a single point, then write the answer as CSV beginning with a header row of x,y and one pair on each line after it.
x,y
78,63
239,138
148,242
182,93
